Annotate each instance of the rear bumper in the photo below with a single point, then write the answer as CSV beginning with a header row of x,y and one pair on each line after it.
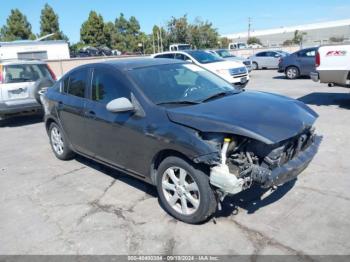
x,y
294,167
19,106
315,76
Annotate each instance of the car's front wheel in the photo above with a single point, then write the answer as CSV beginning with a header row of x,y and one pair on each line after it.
x,y
59,143
184,191
255,66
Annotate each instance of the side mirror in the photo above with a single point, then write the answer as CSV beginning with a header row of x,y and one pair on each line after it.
x,y
121,104
189,60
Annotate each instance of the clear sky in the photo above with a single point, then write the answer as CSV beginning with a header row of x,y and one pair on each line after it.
x,y
228,16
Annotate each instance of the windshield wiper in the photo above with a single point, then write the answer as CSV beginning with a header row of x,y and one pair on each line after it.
x,y
184,102
217,95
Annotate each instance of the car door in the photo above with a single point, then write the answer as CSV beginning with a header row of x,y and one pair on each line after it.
x,y
113,137
261,59
272,59
306,61
70,108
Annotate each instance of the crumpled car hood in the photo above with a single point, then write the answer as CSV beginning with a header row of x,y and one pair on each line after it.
x,y
262,116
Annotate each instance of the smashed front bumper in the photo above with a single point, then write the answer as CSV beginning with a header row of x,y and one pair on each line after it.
x,y
293,167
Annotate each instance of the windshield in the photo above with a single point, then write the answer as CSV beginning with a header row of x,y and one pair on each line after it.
x,y
224,53
204,57
179,83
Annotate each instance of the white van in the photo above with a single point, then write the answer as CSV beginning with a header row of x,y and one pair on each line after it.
x,y
239,45
179,47
332,65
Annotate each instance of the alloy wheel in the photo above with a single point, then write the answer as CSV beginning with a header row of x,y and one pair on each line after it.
x,y
57,141
292,72
180,190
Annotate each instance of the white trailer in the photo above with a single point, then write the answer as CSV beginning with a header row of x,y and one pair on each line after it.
x,y
33,49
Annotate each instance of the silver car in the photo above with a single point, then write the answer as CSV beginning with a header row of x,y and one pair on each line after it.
x,y
21,82
225,54
266,59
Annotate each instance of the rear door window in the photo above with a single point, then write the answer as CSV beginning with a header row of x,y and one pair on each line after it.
x,y
181,57
171,56
307,53
75,83
25,73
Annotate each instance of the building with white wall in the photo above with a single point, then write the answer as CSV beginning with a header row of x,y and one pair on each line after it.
x,y
316,34
33,49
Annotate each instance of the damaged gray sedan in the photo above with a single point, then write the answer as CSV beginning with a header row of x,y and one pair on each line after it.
x,y
181,128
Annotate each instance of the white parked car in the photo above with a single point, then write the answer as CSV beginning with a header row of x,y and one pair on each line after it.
x,y
225,54
21,83
332,65
232,71
267,59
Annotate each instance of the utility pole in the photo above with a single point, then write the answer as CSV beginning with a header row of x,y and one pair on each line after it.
x,y
249,26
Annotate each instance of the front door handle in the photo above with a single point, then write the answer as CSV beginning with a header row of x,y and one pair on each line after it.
x,y
90,113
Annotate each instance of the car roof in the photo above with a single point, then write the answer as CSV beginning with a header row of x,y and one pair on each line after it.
x,y
132,63
20,61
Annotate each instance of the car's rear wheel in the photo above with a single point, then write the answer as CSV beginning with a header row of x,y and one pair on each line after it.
x,y
59,143
184,191
255,66
292,72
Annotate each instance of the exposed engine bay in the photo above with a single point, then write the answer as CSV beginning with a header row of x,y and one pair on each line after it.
x,y
245,161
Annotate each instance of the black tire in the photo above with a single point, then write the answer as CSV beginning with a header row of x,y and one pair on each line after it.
x,y
255,66
292,72
206,197
67,153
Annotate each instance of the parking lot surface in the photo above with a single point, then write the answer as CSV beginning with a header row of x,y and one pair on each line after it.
x,y
49,206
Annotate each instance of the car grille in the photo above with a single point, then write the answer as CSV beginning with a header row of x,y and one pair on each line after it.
x,y
238,71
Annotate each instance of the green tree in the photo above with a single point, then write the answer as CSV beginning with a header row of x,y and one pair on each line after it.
x,y
178,30
17,27
128,34
49,24
224,42
92,30
288,42
110,34
253,40
159,39
203,35
298,37
336,39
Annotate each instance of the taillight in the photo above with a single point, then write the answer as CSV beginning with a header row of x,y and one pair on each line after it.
x,y
1,75
317,60
52,73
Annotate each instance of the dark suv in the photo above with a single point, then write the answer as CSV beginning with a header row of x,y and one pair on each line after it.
x,y
181,128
